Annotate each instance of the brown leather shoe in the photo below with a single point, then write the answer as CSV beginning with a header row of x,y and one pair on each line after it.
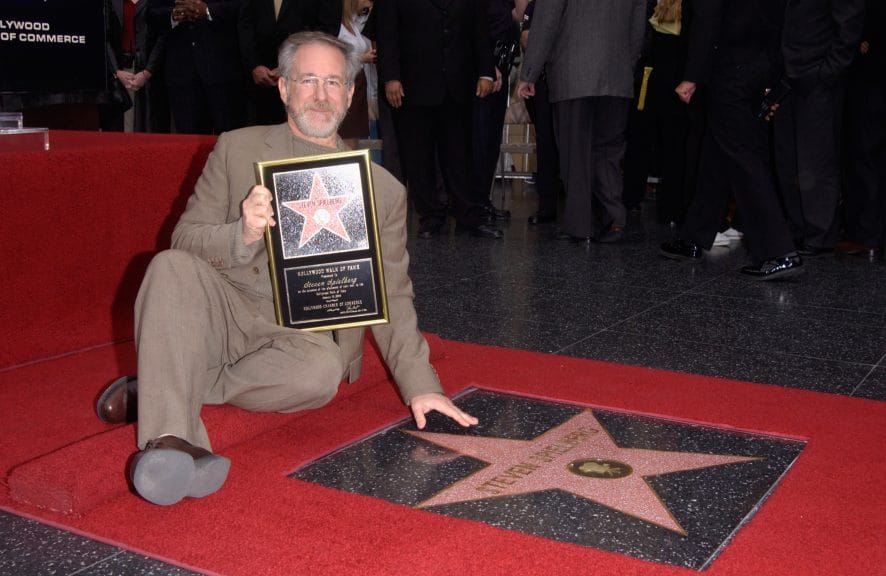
x,y
118,404
169,468
850,248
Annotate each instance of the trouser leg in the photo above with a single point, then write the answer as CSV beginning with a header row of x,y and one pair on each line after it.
x,y
573,120
816,118
200,341
608,148
416,130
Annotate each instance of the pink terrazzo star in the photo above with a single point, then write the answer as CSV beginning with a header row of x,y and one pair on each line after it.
x,y
320,211
579,457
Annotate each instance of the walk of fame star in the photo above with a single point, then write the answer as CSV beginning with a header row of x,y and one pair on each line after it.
x,y
320,212
577,456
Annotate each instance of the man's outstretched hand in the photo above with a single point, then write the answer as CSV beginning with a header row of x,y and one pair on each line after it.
x,y
424,403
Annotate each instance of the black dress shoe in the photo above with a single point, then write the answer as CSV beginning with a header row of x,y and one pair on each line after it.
x,y
678,249
567,237
491,213
537,219
775,268
612,235
808,251
118,404
169,468
480,231
429,229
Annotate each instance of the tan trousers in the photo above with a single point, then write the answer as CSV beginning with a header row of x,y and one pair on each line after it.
x,y
202,341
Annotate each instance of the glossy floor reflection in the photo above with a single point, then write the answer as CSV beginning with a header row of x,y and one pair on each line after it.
x,y
650,488
623,303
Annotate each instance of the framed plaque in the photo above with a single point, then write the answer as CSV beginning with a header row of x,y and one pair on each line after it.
x,y
324,256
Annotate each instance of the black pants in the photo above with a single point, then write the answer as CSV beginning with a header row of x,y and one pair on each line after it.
x,y
547,157
488,121
807,128
427,133
735,158
208,109
591,138
864,196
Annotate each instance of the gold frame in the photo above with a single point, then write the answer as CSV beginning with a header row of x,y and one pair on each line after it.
x,y
324,254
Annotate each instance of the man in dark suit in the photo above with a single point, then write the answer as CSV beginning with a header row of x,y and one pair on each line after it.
x,y
864,197
202,67
733,49
263,26
819,41
434,56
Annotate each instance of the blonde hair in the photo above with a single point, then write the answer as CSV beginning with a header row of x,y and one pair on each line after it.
x,y
349,10
668,11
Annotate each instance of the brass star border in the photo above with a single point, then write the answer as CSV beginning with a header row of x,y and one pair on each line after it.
x,y
648,487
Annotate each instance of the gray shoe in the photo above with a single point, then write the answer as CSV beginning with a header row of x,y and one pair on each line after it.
x,y
169,469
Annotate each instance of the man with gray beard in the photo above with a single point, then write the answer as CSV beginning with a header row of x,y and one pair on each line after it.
x,y
205,321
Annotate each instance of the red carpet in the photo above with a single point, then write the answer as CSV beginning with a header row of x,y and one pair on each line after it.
x,y
62,466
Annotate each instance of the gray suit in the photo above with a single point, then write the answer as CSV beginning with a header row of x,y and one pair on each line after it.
x,y
205,329
588,49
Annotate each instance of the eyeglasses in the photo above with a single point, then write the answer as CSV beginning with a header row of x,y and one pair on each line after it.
x,y
310,82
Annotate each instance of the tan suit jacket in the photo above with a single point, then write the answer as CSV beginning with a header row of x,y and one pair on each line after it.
x,y
210,228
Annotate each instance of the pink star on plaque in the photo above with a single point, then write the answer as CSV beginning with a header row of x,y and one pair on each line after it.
x,y
577,456
320,211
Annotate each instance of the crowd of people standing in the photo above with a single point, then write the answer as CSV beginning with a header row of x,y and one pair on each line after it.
x,y
618,90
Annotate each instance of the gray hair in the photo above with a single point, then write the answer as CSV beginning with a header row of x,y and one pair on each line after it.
x,y
291,45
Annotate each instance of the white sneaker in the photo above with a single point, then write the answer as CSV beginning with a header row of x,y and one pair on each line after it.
x,y
721,239
733,234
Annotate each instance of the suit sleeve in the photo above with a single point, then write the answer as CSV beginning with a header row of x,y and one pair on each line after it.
x,y
247,28
483,49
706,18
638,29
205,228
848,17
545,26
403,347
388,40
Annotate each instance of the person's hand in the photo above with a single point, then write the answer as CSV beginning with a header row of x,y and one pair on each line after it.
x,y
424,403
685,90
189,10
369,56
771,114
864,47
139,80
525,89
125,77
263,76
484,87
772,108
257,214
496,86
394,93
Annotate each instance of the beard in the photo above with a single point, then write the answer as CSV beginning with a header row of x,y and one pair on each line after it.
x,y
315,125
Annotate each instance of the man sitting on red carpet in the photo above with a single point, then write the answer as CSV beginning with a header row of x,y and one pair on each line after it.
x,y
205,327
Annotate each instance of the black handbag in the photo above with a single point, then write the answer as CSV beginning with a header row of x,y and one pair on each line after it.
x,y
120,99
